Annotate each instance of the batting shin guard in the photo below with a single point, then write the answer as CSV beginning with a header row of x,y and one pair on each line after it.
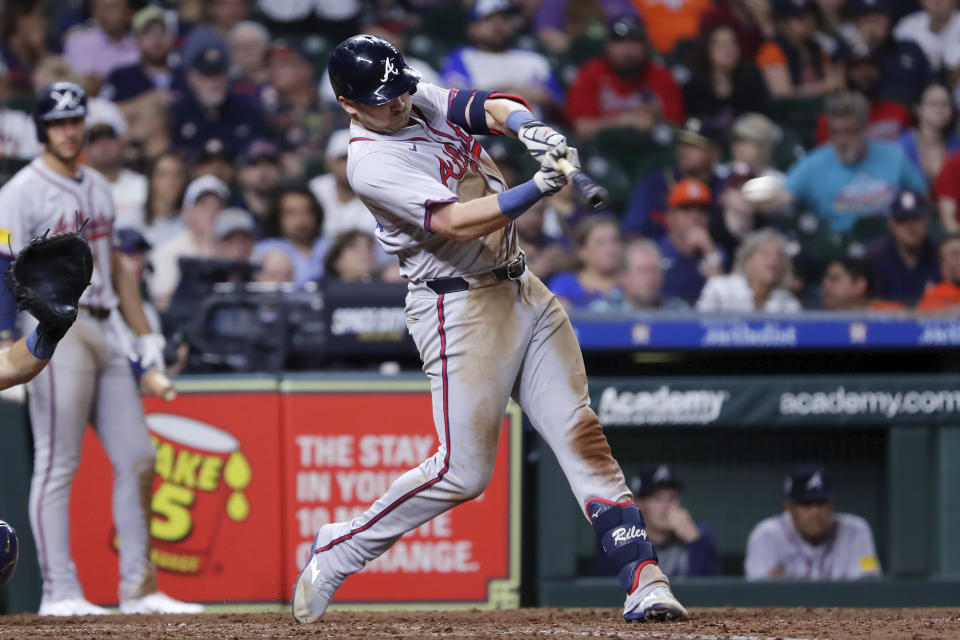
x,y
623,536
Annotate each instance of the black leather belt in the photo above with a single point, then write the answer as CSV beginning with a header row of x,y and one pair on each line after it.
x,y
99,313
510,271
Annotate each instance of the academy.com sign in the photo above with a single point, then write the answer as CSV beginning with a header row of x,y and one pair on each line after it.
x,y
887,404
661,406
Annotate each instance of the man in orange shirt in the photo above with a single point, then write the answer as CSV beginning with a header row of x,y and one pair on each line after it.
x,y
623,87
674,20
946,294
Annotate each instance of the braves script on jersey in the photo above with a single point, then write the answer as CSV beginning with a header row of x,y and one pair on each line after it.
x,y
399,176
36,200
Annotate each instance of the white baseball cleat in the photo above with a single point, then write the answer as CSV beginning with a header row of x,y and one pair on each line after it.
x,y
314,588
653,602
71,607
158,602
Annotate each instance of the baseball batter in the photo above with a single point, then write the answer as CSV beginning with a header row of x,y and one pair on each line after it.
x,y
486,328
89,378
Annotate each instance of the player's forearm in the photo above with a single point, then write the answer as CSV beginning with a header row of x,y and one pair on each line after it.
x,y
18,365
470,220
128,294
498,110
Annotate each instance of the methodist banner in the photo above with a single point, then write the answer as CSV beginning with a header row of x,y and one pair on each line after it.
x,y
777,401
216,514
346,442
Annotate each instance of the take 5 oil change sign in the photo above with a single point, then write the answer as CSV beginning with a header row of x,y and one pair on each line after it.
x,y
215,507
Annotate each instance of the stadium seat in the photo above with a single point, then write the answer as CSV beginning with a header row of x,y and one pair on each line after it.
x,y
636,153
799,114
789,149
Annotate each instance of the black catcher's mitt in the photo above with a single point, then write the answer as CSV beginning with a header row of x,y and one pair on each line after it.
x,y
47,278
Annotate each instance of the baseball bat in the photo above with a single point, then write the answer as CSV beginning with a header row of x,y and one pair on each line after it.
x,y
589,193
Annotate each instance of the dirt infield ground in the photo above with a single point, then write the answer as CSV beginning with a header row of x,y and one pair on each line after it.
x,y
707,624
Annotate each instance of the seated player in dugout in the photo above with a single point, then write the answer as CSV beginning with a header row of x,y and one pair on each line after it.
x,y
486,328
809,540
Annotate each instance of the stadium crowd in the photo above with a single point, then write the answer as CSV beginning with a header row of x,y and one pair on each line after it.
x,y
224,144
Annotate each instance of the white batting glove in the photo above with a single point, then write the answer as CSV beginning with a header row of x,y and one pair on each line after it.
x,y
150,349
549,179
539,138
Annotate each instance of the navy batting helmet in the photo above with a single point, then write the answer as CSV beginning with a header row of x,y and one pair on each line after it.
x,y
58,101
370,70
9,552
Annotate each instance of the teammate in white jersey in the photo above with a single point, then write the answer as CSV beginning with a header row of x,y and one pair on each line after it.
x,y
808,541
486,328
89,378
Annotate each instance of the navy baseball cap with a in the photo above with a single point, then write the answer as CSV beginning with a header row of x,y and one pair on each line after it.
x,y
131,240
627,27
808,483
649,479
909,205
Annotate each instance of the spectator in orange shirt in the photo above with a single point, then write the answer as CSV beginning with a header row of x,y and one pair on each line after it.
x,y
946,190
623,87
792,62
675,20
946,294
848,286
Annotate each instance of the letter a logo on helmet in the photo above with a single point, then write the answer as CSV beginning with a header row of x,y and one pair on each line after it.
x,y
59,101
371,71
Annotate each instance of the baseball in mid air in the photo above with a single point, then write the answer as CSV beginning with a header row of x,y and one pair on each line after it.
x,y
763,190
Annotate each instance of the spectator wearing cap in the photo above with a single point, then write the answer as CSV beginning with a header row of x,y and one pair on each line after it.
x,y
221,16
723,86
623,87
852,176
203,200
294,226
23,42
934,135
676,21
690,255
809,540
134,256
342,209
946,191
166,182
685,548
547,253
599,254
259,171
936,29
490,62
152,71
640,282
945,295
887,118
904,68
848,286
293,107
751,21
107,44
905,262
234,235
792,62
758,281
249,44
209,109
214,159
106,152
697,155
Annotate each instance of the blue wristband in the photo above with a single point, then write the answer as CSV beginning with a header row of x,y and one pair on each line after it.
x,y
41,349
518,118
515,201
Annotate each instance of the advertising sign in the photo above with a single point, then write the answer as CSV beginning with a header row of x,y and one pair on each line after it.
x,y
345,444
215,522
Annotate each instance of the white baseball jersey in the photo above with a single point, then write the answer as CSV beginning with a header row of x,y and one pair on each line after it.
x,y
36,200
848,554
399,177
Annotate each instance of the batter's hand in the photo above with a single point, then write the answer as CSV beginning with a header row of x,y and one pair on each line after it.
x,y
550,179
539,138
150,349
